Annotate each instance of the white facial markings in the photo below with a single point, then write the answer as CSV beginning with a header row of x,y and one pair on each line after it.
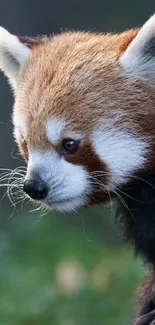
x,y
74,135
122,153
54,129
20,128
70,205
68,184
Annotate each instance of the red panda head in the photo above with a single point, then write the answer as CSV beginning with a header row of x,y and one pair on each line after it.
x,y
84,112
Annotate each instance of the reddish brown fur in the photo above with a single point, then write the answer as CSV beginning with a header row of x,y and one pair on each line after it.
x,y
128,38
81,80
23,149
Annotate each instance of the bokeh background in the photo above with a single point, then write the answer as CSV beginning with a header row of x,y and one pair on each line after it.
x,y
63,269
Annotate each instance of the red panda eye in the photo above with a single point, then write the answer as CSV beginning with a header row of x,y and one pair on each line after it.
x,y
69,146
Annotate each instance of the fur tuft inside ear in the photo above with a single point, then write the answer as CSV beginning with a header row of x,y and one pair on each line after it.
x,y
13,53
139,57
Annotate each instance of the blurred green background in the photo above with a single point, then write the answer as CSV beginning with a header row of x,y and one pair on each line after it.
x,y
63,269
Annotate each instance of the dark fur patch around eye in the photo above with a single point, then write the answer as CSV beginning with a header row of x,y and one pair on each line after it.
x,y
96,168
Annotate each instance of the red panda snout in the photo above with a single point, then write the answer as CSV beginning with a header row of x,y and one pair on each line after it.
x,y
35,188
66,185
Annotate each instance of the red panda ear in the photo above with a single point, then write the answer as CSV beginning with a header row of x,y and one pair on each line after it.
x,y
31,42
139,57
14,51
128,37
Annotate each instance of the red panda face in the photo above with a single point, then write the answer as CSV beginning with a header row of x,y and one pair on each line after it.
x,y
79,148
79,118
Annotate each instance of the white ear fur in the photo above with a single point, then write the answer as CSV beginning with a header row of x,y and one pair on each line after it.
x,y
12,54
139,57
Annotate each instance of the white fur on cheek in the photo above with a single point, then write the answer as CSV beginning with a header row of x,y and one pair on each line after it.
x,y
122,153
54,128
68,184
20,128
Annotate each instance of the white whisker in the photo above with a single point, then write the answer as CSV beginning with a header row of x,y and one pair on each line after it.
x,y
13,181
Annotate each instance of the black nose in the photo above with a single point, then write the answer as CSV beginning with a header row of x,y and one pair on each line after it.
x,y
35,189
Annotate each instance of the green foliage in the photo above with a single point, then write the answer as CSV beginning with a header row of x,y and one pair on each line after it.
x,y
51,274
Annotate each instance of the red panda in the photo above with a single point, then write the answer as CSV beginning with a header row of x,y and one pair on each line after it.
x,y
83,118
